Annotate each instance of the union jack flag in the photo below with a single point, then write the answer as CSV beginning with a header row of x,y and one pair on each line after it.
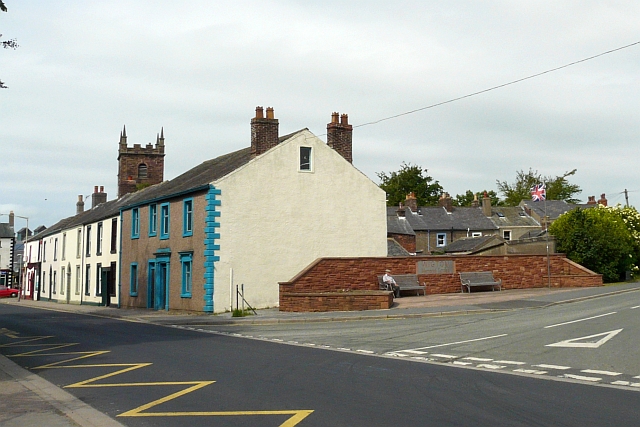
x,y
538,193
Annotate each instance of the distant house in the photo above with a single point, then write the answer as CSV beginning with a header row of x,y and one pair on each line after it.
x,y
7,243
253,217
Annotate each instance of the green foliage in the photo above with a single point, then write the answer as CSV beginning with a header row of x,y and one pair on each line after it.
x,y
7,44
237,312
558,188
467,198
410,178
602,239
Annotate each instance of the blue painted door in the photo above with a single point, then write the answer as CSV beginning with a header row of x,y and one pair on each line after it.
x,y
161,285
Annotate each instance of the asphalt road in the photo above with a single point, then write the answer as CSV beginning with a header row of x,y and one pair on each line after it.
x,y
147,375
594,341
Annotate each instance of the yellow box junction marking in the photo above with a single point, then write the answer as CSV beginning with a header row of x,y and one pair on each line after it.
x,y
45,349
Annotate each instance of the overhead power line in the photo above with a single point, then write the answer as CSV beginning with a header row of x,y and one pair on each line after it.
x,y
496,87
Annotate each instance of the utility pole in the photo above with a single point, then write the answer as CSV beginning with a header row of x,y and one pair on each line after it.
x,y
626,196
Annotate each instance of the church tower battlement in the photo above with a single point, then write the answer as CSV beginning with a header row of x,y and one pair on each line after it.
x,y
139,166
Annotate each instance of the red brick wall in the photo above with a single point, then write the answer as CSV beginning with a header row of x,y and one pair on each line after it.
x,y
334,275
406,241
336,301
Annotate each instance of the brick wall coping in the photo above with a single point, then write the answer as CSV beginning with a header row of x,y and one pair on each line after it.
x,y
325,294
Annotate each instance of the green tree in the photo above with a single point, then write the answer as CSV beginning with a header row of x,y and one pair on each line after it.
x,y
597,238
410,178
557,188
467,198
7,44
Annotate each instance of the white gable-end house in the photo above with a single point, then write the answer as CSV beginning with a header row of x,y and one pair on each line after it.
x,y
254,217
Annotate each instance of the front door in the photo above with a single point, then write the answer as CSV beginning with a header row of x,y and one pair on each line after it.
x,y
162,279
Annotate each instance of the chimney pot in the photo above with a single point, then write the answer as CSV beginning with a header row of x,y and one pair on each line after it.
x,y
270,113
334,117
344,119
95,189
259,113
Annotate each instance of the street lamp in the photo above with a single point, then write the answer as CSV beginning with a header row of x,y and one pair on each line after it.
x,y
26,240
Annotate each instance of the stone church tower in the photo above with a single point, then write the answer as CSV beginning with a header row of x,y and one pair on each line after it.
x,y
139,166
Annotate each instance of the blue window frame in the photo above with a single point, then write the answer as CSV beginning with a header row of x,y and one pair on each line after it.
x,y
135,223
186,260
164,221
187,218
133,280
153,220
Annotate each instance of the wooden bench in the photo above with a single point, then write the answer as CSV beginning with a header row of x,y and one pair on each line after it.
x,y
406,282
479,278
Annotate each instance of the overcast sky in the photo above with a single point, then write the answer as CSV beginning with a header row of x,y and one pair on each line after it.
x,y
199,68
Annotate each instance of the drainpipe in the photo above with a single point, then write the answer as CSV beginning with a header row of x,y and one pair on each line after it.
x,y
119,267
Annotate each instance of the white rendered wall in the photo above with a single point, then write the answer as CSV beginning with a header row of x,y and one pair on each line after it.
x,y
5,254
275,220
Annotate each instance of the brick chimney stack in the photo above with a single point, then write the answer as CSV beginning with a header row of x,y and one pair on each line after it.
x,y
475,203
98,197
340,136
592,200
411,202
264,132
11,218
79,205
603,200
401,211
486,205
445,202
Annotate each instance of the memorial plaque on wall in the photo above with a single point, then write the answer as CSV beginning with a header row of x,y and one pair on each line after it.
x,y
435,267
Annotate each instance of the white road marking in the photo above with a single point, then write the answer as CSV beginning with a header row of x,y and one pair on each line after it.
x,y
415,351
459,342
579,320
510,362
589,344
446,356
543,366
344,348
365,351
594,371
637,306
457,362
488,366
637,377
621,383
635,384
276,339
292,342
582,378
478,359
530,371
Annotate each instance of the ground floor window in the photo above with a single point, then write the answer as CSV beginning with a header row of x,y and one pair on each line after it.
x,y
186,259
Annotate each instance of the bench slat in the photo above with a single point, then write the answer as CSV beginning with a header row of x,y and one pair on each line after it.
x,y
479,278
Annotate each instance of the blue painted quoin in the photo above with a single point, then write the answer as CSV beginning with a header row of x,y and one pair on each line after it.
x,y
210,245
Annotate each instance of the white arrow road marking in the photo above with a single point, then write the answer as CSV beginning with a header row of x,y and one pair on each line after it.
x,y
579,320
590,343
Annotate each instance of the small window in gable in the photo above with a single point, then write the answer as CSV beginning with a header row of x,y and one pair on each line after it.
x,y
142,171
305,158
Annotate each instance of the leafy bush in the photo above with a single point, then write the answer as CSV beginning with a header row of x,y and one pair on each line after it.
x,y
603,239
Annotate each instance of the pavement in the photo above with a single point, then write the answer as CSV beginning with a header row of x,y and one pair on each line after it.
x,y
29,400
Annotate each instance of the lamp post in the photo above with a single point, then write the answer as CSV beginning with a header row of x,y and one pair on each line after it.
x,y
24,260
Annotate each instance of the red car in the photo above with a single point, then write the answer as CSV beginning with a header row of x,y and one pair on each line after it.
x,y
8,292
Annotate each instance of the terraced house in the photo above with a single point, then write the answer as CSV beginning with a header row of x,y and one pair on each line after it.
x,y
253,217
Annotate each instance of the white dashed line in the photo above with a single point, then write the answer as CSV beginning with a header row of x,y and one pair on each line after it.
x,y
635,384
582,378
415,351
292,342
344,349
365,351
530,371
580,320
489,366
276,339
510,362
457,362
594,371
552,367
637,306
310,344
445,356
478,359
621,383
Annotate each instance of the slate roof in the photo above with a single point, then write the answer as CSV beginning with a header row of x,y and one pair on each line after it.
x,y
6,231
461,218
512,216
398,225
553,208
395,249
471,244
